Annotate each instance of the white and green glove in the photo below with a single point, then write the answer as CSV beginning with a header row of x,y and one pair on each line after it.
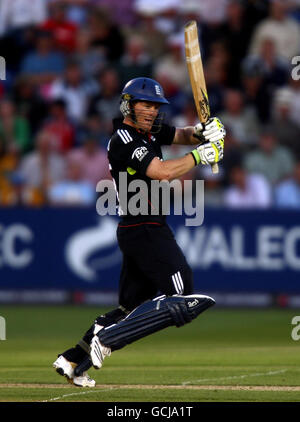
x,y
213,130
208,153
211,135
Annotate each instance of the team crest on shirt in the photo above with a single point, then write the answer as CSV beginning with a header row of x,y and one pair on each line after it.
x,y
153,139
140,153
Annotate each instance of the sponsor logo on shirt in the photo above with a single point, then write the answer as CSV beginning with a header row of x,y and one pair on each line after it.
x,y
140,153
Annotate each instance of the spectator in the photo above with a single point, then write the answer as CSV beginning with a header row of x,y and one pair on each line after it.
x,y
107,103
287,193
135,62
77,11
164,12
256,93
213,12
14,46
19,14
121,11
9,160
287,131
60,126
28,103
241,120
256,11
93,159
293,88
93,126
40,169
274,70
235,27
44,64
173,63
214,77
63,31
14,129
273,161
74,189
155,41
74,90
64,73
106,35
91,59
247,190
219,58
284,31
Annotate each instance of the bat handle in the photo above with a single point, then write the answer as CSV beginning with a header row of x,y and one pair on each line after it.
x,y
215,168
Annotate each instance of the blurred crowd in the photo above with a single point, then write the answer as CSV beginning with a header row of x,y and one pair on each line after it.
x,y
66,64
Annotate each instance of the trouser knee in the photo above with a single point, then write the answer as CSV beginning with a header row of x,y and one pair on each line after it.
x,y
181,282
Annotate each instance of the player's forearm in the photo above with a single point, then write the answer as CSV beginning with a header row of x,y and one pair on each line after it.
x,y
184,136
178,166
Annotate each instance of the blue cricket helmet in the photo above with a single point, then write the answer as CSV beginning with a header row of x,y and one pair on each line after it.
x,y
144,89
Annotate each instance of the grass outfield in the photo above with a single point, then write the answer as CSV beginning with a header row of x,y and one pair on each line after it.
x,y
223,355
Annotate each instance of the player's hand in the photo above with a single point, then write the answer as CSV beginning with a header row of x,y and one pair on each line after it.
x,y
208,153
212,131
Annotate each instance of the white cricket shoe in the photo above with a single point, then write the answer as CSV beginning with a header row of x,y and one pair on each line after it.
x,y
98,352
84,380
65,368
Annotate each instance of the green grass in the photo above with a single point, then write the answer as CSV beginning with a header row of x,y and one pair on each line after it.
x,y
221,347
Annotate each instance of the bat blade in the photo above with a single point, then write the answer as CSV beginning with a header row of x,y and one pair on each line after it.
x,y
196,74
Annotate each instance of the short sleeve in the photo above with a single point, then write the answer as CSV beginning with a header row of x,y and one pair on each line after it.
x,y
166,135
131,153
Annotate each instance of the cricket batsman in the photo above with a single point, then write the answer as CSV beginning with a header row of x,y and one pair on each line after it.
x,y
153,263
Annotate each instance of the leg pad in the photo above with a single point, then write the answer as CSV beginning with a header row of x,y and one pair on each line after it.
x,y
153,316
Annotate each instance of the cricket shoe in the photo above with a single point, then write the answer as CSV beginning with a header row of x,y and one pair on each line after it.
x,y
66,369
98,352
84,380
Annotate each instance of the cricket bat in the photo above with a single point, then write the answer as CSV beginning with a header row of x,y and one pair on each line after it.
x,y
196,74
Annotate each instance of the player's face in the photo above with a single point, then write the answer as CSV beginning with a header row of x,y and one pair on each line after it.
x,y
145,113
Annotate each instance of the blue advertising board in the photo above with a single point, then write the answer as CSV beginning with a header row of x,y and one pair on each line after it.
x,y
76,249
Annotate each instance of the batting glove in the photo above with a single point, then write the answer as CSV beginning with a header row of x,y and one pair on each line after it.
x,y
213,130
209,153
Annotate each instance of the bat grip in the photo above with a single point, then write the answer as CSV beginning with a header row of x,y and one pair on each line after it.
x,y
215,168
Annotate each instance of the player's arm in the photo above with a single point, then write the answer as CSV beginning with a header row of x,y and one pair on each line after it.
x,y
213,130
169,169
184,136
172,169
